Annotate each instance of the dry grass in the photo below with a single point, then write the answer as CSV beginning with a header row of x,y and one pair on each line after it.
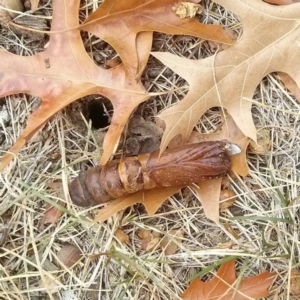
x,y
262,226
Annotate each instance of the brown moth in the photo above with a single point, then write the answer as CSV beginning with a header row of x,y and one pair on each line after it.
x,y
183,165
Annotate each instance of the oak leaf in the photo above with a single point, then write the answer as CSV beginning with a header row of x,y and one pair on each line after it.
x,y
63,73
151,199
225,286
229,78
128,25
208,192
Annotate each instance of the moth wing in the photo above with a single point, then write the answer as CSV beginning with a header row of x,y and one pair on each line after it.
x,y
188,172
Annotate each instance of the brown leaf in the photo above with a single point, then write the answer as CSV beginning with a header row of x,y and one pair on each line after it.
x,y
63,73
144,234
168,244
120,22
224,286
121,236
208,192
229,78
151,199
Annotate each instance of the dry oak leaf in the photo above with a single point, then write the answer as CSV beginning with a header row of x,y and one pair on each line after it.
x,y
151,199
269,43
64,73
225,286
208,192
13,6
128,25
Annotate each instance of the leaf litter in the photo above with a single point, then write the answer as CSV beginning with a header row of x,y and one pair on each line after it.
x,y
182,209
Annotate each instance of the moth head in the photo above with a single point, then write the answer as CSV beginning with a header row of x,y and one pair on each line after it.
x,y
232,149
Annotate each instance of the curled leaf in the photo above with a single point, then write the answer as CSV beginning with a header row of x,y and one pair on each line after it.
x,y
208,193
151,199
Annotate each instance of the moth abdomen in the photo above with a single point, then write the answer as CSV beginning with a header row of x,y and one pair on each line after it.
x,y
183,165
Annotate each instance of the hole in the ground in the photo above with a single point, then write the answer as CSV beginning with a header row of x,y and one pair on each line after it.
x,y
98,113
